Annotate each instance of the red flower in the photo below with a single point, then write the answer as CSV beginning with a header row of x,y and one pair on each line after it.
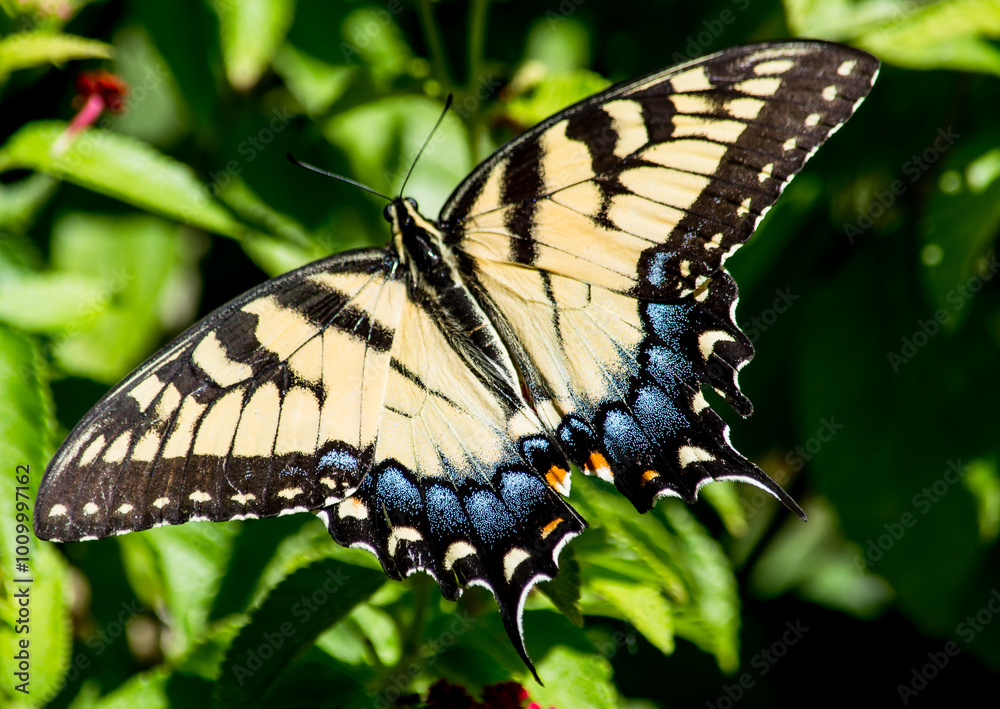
x,y
103,88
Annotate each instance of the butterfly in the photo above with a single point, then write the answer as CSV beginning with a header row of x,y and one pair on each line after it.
x,y
428,399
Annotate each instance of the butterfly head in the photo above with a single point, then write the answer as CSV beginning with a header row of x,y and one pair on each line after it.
x,y
417,240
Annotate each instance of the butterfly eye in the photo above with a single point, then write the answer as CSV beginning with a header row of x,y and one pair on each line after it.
x,y
412,202
387,213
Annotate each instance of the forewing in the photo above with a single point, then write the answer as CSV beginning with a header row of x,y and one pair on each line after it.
x,y
269,405
647,188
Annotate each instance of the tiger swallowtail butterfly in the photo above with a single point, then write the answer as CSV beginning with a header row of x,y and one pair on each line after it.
x,y
427,399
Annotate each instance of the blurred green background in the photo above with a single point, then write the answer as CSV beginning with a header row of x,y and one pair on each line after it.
x,y
868,291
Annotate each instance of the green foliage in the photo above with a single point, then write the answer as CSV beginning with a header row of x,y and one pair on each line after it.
x,y
875,378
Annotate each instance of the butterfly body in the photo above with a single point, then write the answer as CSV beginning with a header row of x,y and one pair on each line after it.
x,y
428,399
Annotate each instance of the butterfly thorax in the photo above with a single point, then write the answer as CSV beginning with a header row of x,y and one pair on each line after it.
x,y
435,280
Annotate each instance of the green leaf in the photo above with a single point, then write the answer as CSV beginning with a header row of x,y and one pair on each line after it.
x,y
538,92
724,496
712,619
186,565
643,607
55,299
289,620
30,49
816,561
147,690
144,270
371,35
119,167
251,32
313,82
574,672
942,35
960,227
21,201
26,440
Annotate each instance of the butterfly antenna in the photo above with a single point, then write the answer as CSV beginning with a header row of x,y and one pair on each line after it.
x,y
447,105
336,176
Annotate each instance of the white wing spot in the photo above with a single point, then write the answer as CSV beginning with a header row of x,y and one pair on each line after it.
x,y
846,68
744,207
699,402
199,496
57,511
765,172
775,66
514,558
715,242
789,144
243,498
161,502
125,509
457,550
399,534
812,119
830,93
707,341
329,482
692,454
90,508
352,507
290,493
145,392
92,450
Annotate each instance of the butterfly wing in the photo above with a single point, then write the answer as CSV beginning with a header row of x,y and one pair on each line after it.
x,y
596,242
269,405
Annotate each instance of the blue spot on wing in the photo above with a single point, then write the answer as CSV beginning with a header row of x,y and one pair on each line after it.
x,y
489,516
623,439
444,512
668,368
338,460
657,413
396,492
523,494
669,322
657,271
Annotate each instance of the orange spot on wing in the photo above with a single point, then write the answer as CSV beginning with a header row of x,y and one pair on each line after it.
x,y
556,477
597,462
649,475
550,527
